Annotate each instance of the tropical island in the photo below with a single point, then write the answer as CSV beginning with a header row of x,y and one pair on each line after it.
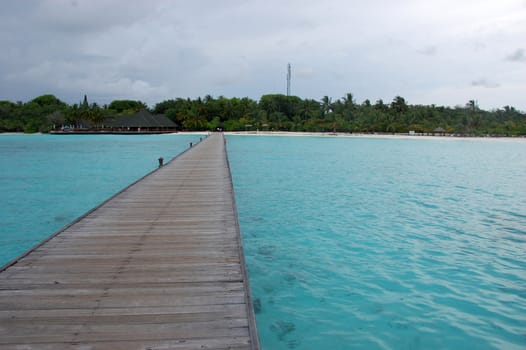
x,y
273,112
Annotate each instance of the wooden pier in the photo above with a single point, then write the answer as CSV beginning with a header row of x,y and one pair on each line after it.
x,y
158,266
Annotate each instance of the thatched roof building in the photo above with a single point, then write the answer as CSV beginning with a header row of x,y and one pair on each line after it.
x,y
141,121
440,131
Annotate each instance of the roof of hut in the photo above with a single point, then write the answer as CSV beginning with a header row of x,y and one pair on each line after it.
x,y
141,119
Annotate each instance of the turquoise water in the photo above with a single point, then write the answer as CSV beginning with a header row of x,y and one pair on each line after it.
x,y
384,243
350,243
47,181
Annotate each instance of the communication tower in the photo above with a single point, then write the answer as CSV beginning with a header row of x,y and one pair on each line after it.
x,y
288,79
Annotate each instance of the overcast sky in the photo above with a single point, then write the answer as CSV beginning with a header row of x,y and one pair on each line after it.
x,y
442,52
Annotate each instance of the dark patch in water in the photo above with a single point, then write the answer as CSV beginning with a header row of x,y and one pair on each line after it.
x,y
293,344
289,278
268,288
257,305
378,309
266,251
282,328
397,323
60,218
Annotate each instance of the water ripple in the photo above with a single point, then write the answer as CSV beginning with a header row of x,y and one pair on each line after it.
x,y
363,248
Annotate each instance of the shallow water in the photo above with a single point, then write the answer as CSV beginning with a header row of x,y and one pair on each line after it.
x,y
350,243
47,181
384,244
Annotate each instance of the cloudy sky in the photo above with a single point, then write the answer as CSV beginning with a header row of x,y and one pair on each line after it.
x,y
442,52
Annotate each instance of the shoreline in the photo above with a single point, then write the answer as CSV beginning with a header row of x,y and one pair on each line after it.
x,y
402,136
372,135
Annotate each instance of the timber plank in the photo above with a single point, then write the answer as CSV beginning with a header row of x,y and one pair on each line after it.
x,y
159,266
218,343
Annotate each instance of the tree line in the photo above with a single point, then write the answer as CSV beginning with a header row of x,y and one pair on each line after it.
x,y
276,112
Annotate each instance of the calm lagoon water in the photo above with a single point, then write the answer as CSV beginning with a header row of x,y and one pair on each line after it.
x,y
384,243
46,181
350,243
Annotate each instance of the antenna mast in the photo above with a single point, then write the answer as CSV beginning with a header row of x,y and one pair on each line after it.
x,y
288,79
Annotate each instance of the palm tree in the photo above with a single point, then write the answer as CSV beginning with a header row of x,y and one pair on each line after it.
x,y
193,121
309,108
471,105
399,105
326,105
96,116
73,114
348,101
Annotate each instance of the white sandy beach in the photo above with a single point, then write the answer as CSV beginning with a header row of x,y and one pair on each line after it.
x,y
337,134
374,135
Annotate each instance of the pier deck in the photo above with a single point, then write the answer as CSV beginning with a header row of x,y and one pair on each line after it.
x,y
158,266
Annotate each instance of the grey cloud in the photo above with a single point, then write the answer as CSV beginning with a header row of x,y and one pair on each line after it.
x,y
428,51
517,56
84,17
484,83
304,73
152,50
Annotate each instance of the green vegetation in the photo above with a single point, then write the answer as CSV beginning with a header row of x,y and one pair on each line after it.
x,y
47,112
273,112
